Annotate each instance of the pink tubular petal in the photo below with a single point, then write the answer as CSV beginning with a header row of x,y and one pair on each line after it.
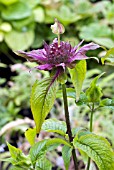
x,y
61,65
77,46
80,54
46,47
90,46
34,55
55,40
45,67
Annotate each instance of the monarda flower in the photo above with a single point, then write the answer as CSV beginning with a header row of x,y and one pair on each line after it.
x,y
58,56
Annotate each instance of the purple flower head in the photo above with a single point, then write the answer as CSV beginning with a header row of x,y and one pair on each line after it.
x,y
58,56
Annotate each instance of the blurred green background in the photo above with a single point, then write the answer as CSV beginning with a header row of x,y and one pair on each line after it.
x,y
25,25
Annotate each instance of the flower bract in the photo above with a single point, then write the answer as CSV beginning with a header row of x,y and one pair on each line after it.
x,y
58,56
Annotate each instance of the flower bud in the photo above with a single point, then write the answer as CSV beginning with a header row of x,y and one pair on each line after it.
x,y
57,28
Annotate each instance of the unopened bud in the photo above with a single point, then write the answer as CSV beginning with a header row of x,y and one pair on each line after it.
x,y
57,28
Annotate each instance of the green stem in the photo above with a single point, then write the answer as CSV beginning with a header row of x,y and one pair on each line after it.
x,y
91,129
68,124
58,39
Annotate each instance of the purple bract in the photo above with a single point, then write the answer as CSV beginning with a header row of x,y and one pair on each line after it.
x,y
54,55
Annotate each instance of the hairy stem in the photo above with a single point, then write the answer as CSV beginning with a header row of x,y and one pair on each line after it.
x,y
68,124
91,129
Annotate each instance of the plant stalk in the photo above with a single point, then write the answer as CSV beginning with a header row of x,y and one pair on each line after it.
x,y
58,39
91,129
68,124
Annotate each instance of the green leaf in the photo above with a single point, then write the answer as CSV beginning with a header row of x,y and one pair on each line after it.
x,y
16,11
17,157
77,76
42,99
23,40
109,14
6,27
43,164
54,125
15,152
107,104
16,168
97,148
76,130
93,32
107,42
109,56
22,23
57,141
71,93
64,14
66,154
39,15
94,92
8,2
30,135
32,3
83,100
37,151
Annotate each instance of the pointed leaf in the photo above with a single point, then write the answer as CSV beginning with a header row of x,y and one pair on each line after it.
x,y
94,82
77,76
94,92
76,130
82,100
17,157
54,125
15,152
42,99
37,151
97,148
30,135
43,164
107,103
58,141
109,56
66,154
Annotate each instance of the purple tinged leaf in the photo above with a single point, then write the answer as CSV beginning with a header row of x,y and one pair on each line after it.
x,y
42,98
